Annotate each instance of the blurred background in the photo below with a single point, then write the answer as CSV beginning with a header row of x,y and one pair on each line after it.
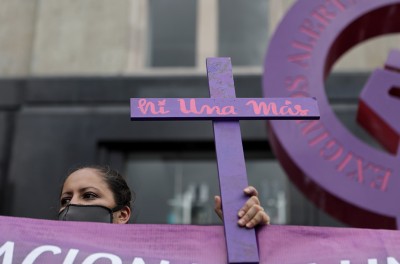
x,y
68,69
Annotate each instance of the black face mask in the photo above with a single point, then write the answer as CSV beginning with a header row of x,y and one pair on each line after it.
x,y
88,213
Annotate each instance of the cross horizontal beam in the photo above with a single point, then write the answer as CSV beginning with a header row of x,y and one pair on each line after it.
x,y
223,108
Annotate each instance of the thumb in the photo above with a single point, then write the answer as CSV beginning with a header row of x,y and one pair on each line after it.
x,y
218,206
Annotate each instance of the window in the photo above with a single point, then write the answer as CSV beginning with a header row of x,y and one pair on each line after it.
x,y
172,33
243,31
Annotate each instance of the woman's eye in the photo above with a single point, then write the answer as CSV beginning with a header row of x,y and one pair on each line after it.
x,y
89,196
65,201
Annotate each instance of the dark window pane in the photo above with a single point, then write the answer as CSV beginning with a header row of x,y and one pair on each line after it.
x,y
173,33
243,31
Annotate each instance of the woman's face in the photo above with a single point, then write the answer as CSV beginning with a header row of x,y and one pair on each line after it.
x,y
87,187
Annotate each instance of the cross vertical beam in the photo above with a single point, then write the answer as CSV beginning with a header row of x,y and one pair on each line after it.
x,y
241,243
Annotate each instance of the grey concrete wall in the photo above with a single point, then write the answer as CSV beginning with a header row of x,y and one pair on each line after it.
x,y
17,32
97,37
81,37
42,37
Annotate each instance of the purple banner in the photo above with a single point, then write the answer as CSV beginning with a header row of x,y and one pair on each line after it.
x,y
24,240
223,108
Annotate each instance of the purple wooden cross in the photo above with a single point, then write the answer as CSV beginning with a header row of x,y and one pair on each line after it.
x,y
225,110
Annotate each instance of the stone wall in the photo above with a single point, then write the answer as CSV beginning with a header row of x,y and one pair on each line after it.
x,y
100,37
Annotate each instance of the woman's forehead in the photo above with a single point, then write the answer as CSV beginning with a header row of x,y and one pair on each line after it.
x,y
84,178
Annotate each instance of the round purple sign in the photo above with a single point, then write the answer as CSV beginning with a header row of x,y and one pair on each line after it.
x,y
349,179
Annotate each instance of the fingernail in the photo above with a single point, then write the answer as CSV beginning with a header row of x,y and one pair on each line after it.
x,y
247,189
241,213
249,225
241,222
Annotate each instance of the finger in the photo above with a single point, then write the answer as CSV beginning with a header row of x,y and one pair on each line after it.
x,y
261,218
218,206
250,214
250,191
253,200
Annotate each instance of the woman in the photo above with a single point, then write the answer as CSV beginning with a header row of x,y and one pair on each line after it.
x,y
100,194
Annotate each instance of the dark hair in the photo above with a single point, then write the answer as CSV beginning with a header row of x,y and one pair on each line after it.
x,y
115,181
